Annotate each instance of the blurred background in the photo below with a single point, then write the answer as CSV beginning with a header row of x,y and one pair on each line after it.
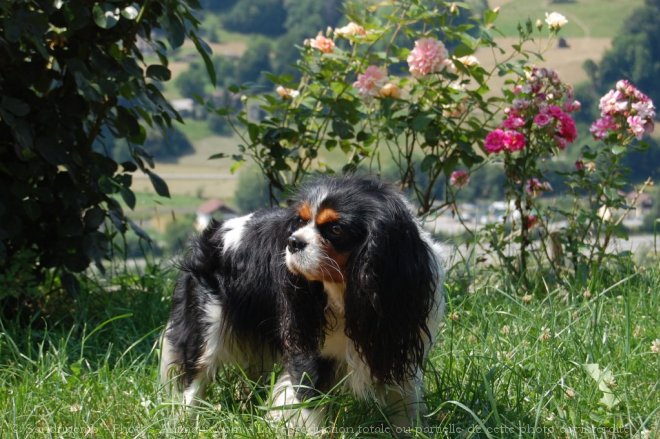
x,y
604,40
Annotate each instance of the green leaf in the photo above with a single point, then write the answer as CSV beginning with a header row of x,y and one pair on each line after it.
x,y
343,129
490,16
420,122
129,166
618,149
128,196
106,16
176,32
23,133
117,217
54,153
159,72
139,231
605,381
14,106
253,132
159,184
235,166
129,12
463,50
94,218
206,52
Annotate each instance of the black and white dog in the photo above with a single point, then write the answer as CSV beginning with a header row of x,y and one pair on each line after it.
x,y
342,285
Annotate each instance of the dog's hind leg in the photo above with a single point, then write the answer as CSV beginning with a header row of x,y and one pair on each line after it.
x,y
191,354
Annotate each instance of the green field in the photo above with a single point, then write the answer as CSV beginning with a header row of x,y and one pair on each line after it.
x,y
506,364
586,18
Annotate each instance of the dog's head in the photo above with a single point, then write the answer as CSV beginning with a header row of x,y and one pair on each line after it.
x,y
360,233
331,222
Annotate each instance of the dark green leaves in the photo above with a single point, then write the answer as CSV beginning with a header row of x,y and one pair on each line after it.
x,y
205,51
76,86
106,15
130,12
159,184
159,72
14,106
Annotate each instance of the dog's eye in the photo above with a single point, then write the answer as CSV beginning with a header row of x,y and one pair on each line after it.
x,y
335,230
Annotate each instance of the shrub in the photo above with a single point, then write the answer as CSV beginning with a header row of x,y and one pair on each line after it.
x,y
70,71
441,124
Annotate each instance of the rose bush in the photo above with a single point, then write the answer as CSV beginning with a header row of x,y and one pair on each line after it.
x,y
401,84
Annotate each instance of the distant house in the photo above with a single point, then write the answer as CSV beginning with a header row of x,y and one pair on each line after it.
x,y
213,209
188,108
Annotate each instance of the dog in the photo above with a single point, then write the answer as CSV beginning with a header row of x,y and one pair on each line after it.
x,y
343,286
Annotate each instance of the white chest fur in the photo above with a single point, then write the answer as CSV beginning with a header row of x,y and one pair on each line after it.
x,y
340,348
336,342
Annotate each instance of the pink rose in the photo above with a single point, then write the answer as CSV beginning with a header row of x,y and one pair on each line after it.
x,y
535,187
566,128
514,121
644,109
428,56
555,111
636,125
458,179
514,141
542,119
370,82
612,102
572,106
323,44
602,127
494,141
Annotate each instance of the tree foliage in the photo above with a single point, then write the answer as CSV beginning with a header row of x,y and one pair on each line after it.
x,y
254,62
70,71
251,191
192,82
635,53
256,16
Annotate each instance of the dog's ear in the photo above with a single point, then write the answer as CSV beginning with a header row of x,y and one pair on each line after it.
x,y
390,293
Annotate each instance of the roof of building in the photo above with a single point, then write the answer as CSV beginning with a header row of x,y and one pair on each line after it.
x,y
214,205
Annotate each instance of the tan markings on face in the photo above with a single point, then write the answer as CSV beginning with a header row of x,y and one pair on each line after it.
x,y
334,267
305,211
326,215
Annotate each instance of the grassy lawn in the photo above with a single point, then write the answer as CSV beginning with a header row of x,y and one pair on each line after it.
x,y
507,365
586,18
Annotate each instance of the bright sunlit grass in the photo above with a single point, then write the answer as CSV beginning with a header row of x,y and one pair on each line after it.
x,y
504,367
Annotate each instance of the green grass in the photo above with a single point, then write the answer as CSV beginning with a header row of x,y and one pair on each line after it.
x,y
586,18
504,365
195,129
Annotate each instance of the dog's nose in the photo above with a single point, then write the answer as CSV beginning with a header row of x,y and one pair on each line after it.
x,y
296,244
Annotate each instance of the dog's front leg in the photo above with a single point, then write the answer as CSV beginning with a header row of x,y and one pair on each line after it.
x,y
306,375
403,404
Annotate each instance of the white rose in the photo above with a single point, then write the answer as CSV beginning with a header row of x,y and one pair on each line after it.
x,y
555,20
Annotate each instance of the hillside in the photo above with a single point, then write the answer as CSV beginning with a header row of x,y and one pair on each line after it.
x,y
586,18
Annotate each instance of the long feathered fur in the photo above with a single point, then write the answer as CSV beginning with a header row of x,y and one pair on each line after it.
x,y
390,280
